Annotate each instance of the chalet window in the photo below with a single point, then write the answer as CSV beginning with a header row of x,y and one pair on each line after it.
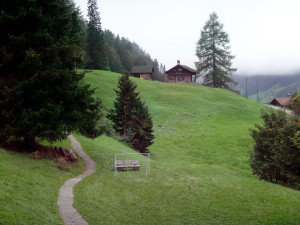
x,y
180,77
172,77
187,79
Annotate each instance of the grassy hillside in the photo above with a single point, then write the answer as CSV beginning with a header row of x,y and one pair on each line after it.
x,y
199,167
29,188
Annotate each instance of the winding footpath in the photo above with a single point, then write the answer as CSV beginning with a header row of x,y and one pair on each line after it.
x,y
280,109
66,198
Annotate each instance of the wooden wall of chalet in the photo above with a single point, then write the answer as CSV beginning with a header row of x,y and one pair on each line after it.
x,y
144,76
179,78
179,75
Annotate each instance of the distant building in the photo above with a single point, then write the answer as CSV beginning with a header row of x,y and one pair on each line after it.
x,y
283,102
143,72
180,74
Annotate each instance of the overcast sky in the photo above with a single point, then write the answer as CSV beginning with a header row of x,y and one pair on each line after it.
x,y
264,34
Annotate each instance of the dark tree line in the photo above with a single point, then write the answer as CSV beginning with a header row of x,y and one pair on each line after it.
x,y
106,51
123,54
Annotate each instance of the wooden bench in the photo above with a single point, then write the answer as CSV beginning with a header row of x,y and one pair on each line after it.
x,y
122,165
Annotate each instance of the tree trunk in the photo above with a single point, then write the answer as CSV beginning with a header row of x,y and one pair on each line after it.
x,y
28,142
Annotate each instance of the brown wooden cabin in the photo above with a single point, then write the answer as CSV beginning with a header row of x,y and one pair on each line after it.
x,y
143,72
283,102
180,74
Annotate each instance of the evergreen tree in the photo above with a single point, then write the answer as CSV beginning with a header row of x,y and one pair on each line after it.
x,y
162,71
142,128
276,153
131,117
41,94
156,73
214,55
96,58
296,103
123,54
114,61
124,106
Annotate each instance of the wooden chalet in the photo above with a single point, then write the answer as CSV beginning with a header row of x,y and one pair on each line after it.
x,y
143,72
283,102
180,74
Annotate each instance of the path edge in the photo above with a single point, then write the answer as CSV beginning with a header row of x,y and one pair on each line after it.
x,y
65,200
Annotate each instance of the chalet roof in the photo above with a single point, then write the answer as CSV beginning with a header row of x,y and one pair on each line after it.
x,y
142,69
185,67
282,101
189,69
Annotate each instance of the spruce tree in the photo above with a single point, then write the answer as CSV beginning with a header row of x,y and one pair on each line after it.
x,y
124,106
214,55
41,94
131,117
142,128
96,58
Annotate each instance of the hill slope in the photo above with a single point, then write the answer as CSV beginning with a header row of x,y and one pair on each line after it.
x,y
199,167
29,187
269,86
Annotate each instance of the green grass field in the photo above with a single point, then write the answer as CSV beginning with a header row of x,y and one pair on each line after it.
x,y
29,187
199,168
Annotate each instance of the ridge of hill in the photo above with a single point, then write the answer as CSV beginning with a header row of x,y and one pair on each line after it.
x,y
269,86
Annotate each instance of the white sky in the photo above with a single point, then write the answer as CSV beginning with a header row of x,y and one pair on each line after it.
x,y
264,34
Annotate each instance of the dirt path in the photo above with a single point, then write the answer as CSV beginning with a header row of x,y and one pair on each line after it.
x,y
66,198
280,109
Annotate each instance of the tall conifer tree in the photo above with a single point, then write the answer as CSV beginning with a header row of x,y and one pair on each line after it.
x,y
96,58
214,55
131,117
156,73
41,94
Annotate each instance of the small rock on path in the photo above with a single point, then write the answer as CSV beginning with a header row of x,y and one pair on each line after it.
x,y
65,201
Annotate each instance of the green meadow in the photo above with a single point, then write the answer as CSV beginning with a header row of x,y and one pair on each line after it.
x,y
199,167
199,163
29,187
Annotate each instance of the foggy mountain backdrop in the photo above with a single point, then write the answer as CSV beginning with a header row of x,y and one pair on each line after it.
x,y
269,86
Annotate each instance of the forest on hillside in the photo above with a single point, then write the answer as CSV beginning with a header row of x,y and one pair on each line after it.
x,y
103,50
122,55
269,86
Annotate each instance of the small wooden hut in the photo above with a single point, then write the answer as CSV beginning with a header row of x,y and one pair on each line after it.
x,y
143,72
283,102
180,74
